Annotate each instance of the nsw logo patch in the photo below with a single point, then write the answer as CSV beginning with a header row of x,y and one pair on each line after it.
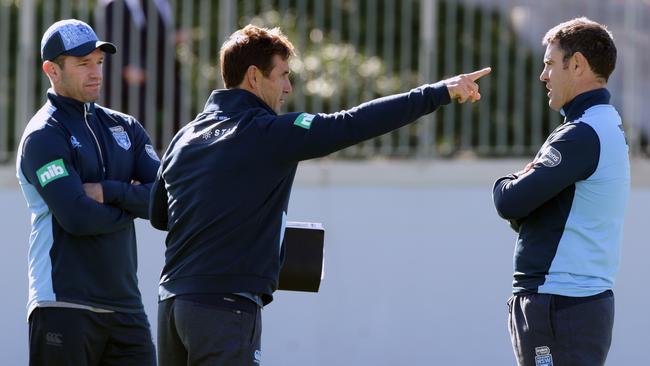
x,y
151,152
304,120
551,157
543,356
121,137
51,171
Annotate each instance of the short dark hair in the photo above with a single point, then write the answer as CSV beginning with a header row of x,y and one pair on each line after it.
x,y
252,45
591,39
59,60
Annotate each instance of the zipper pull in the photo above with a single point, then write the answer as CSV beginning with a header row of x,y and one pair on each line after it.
x,y
99,148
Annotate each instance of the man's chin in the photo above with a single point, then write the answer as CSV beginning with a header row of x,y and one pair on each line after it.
x,y
553,106
92,98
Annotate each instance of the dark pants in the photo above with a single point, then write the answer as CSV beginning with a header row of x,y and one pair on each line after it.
x,y
552,330
65,336
198,334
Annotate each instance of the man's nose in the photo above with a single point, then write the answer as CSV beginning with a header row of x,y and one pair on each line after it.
x,y
96,71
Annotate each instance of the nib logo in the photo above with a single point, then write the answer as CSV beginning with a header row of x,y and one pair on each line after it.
x,y
304,120
51,171
54,339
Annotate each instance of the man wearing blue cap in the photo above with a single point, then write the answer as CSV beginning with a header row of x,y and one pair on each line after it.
x,y
85,172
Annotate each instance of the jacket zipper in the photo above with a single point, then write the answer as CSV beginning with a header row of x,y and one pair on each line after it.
x,y
101,157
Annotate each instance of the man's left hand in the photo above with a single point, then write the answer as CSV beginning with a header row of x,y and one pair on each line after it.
x,y
94,191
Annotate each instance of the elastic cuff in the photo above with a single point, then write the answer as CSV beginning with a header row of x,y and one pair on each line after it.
x,y
113,191
442,92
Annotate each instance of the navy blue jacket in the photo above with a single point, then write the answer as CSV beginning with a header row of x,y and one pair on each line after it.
x,y
569,209
81,251
224,184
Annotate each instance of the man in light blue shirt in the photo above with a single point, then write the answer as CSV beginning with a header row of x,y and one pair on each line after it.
x,y
568,206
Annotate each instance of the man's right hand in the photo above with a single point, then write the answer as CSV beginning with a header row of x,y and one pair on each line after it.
x,y
526,169
464,87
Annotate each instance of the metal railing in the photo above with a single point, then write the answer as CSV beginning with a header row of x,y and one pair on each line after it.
x,y
349,52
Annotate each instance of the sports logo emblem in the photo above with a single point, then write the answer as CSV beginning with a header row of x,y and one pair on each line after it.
x,y
257,356
550,157
54,339
51,171
304,120
74,142
121,137
151,152
543,356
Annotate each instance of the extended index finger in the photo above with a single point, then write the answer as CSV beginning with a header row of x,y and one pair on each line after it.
x,y
480,73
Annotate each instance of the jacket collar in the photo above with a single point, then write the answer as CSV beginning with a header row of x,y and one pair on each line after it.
x,y
234,100
575,108
69,104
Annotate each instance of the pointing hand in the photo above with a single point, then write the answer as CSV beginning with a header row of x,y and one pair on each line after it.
x,y
464,87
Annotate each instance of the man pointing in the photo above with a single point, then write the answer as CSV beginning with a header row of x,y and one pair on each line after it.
x,y
223,191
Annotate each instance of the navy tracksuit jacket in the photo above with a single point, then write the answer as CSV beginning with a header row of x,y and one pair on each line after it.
x,y
569,209
223,188
80,251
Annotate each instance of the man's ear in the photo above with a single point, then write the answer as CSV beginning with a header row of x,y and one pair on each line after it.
x,y
579,64
52,70
252,76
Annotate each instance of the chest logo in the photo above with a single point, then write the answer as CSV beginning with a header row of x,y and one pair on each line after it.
x,y
74,142
121,137
550,157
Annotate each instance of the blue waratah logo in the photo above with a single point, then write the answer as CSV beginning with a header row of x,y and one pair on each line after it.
x,y
121,137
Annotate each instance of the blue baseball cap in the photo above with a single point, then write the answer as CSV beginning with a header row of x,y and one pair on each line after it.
x,y
71,37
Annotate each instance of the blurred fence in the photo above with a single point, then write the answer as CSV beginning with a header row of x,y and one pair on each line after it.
x,y
349,52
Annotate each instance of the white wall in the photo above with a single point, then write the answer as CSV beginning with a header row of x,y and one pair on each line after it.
x,y
418,269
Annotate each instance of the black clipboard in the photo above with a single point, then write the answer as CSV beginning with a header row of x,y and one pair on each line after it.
x,y
303,262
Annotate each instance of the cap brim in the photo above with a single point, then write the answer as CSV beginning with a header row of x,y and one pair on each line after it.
x,y
89,47
106,47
